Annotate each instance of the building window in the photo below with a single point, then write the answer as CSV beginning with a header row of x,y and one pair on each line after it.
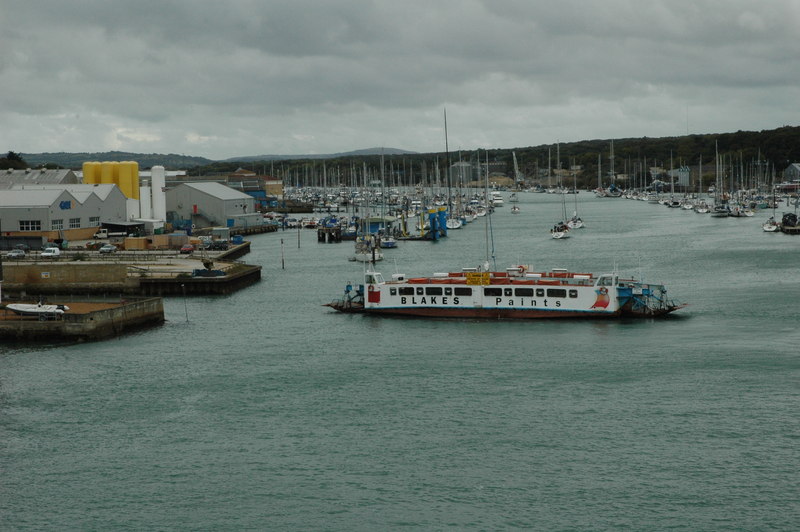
x,y
74,223
94,221
30,225
55,225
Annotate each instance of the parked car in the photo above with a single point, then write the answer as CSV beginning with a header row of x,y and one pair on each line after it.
x,y
187,248
108,248
23,246
16,254
51,252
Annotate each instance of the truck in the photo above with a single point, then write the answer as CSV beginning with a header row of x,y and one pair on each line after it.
x,y
104,233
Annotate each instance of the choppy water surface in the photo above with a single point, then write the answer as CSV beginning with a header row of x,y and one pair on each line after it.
x,y
266,410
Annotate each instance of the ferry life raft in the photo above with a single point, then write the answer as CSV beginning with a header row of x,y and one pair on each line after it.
x,y
516,293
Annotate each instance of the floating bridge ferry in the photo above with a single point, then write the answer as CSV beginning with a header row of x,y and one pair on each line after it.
x,y
516,293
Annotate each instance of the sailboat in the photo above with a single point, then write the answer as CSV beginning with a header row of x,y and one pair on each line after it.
x,y
771,225
384,237
367,249
721,208
453,220
561,229
575,222
700,206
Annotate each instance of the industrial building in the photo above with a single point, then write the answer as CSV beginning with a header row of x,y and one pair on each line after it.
x,y
210,204
11,178
68,212
55,206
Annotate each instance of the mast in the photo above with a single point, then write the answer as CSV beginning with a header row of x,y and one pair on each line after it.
x,y
599,166
611,161
489,214
700,176
558,164
447,154
516,167
717,186
486,202
671,178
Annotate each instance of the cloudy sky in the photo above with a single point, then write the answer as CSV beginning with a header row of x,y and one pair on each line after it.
x,y
228,78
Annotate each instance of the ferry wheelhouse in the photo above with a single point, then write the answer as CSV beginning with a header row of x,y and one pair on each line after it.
x,y
516,293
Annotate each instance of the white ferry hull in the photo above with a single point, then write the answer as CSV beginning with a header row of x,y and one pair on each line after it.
x,y
502,295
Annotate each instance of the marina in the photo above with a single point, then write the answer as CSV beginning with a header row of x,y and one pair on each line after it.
x,y
399,266
310,418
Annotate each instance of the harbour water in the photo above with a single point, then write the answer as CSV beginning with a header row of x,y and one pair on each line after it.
x,y
264,410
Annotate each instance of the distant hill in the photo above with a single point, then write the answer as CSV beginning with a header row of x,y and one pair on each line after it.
x,y
170,161
355,153
174,161
772,149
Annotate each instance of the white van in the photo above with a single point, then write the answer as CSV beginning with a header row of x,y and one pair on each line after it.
x,y
51,252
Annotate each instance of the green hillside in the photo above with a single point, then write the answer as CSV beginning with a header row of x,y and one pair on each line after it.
x,y
775,148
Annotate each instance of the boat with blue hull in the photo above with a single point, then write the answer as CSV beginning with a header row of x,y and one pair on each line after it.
x,y
516,293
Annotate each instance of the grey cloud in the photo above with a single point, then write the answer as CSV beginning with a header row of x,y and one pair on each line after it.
x,y
247,77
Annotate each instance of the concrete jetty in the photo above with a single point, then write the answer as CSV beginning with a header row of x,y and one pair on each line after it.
x,y
134,273
84,321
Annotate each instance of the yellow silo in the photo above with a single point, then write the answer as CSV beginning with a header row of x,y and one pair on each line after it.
x,y
96,168
135,179
91,172
87,172
107,172
115,172
124,178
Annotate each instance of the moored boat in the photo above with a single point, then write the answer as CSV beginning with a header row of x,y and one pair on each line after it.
x,y
559,231
770,226
44,312
575,222
516,293
367,249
